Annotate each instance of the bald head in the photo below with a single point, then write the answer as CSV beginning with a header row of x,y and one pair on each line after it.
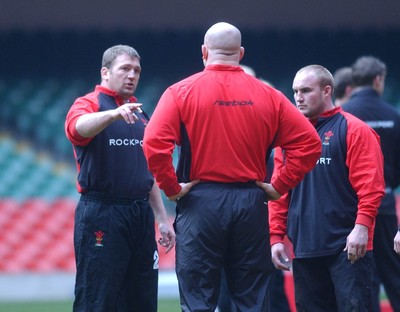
x,y
222,44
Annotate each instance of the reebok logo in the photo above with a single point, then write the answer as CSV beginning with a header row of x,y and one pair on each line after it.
x,y
233,103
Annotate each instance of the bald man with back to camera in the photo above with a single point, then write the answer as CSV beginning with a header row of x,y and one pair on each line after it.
x,y
226,122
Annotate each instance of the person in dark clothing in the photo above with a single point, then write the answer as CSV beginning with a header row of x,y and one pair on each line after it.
x,y
343,85
225,122
329,216
276,291
114,235
366,103
276,294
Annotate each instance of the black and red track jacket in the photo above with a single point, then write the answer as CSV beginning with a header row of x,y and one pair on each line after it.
x,y
226,122
112,162
344,188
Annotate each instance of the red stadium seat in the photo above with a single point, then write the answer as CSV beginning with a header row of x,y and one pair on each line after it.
x,y
36,235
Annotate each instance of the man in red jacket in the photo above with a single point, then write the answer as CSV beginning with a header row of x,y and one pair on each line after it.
x,y
114,236
226,122
330,215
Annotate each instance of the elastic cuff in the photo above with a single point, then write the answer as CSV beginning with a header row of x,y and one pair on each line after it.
x,y
274,239
173,190
280,187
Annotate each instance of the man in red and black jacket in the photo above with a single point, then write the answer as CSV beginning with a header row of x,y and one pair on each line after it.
x,y
330,215
225,122
114,237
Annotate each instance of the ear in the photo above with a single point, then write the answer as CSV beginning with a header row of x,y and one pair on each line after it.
x,y
204,52
328,90
348,90
105,73
378,80
379,83
241,53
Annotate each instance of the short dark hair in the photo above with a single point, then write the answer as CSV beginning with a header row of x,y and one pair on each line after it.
x,y
342,78
365,69
111,54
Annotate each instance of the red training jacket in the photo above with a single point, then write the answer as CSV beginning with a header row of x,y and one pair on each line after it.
x,y
230,120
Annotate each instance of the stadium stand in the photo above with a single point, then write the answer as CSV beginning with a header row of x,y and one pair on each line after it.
x,y
37,203
37,173
35,110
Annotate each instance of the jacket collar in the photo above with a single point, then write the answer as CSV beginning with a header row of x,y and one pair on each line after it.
x,y
118,99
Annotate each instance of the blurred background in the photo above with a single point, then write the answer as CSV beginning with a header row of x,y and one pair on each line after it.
x,y
50,54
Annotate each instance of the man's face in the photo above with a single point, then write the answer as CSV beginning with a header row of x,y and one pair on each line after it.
x,y
308,95
122,76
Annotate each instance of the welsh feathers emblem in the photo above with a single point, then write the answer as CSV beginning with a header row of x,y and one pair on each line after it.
x,y
99,238
327,137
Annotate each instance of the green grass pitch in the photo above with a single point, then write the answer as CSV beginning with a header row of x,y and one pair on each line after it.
x,y
164,305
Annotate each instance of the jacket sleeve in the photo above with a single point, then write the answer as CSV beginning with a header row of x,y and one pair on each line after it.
x,y
278,209
161,135
302,146
365,163
80,107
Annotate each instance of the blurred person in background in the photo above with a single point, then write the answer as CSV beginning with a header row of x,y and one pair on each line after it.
x,y
329,216
225,123
114,235
343,85
366,103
